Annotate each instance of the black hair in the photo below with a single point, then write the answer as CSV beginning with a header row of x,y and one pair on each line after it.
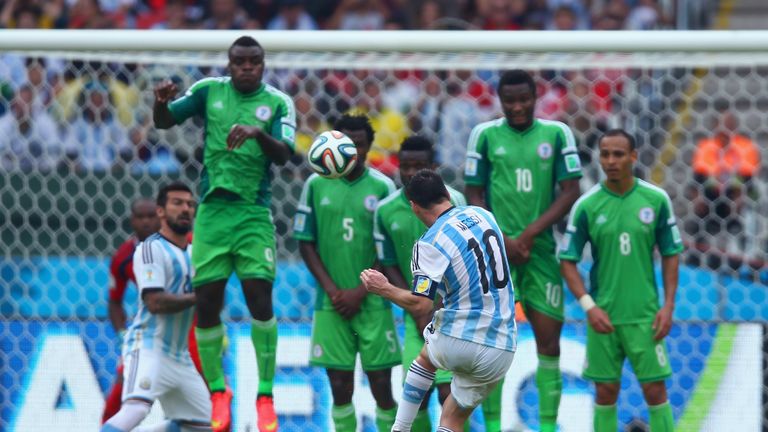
x,y
244,41
516,76
138,201
617,132
418,143
162,195
355,122
427,189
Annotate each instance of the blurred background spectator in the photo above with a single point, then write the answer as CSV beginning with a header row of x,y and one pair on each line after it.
x,y
29,139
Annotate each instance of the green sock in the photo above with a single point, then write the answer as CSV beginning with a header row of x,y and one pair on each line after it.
x,y
210,344
492,409
344,418
264,338
422,423
606,418
661,418
385,418
550,385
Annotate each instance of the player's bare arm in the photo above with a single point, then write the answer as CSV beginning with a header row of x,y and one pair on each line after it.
x,y
569,193
395,276
315,264
375,282
663,322
164,94
160,302
597,317
476,196
117,315
276,150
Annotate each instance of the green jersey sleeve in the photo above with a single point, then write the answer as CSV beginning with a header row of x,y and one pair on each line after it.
x,y
667,233
567,162
576,235
385,248
193,102
476,167
284,123
304,226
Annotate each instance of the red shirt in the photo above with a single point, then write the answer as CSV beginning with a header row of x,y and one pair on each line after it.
x,y
121,269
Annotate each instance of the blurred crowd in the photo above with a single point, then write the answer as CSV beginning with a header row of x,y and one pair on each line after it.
x,y
338,14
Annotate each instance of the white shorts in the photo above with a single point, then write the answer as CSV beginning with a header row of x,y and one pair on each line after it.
x,y
149,375
476,368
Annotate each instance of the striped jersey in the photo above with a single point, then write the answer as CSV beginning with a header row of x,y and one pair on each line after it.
x,y
160,264
461,257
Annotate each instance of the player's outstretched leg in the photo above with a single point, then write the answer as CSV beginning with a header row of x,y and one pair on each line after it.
x,y
549,380
258,297
418,381
130,415
492,409
210,333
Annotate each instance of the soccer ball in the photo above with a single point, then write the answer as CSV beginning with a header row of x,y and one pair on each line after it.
x,y
332,155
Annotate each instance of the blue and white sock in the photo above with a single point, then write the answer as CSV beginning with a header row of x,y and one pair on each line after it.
x,y
418,381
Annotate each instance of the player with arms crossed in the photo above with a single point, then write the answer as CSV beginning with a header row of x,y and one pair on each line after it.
x,y
623,218
513,165
334,227
396,230
155,351
249,125
144,222
461,257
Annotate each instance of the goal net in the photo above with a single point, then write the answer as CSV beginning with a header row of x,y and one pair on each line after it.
x,y
77,146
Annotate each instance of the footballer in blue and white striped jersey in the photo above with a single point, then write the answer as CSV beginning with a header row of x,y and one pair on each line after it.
x,y
462,258
161,265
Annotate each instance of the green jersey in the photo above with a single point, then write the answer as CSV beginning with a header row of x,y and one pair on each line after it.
x,y
244,171
337,215
623,230
519,170
396,230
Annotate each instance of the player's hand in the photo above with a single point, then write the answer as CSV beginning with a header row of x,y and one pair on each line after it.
x,y
347,303
662,323
517,252
165,91
599,320
239,133
374,281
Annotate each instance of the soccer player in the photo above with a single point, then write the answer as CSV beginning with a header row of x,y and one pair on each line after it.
x,y
396,230
513,165
461,257
623,218
249,126
155,351
144,222
334,227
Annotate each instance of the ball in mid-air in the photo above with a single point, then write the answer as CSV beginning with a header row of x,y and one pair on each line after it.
x,y
332,155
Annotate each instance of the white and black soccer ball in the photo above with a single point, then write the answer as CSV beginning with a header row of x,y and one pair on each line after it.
x,y
332,155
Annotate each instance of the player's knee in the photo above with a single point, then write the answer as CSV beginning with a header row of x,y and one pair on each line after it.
x,y
130,415
655,392
606,393
342,390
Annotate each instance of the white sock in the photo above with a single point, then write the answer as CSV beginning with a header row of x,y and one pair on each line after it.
x,y
418,381
130,415
444,429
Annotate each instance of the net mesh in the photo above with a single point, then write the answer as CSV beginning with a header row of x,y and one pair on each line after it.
x,y
77,145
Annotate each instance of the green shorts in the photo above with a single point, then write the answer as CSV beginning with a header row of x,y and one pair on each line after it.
x,y
414,342
336,341
232,236
538,284
606,354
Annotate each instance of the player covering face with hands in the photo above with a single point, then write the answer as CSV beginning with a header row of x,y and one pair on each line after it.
x,y
461,257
